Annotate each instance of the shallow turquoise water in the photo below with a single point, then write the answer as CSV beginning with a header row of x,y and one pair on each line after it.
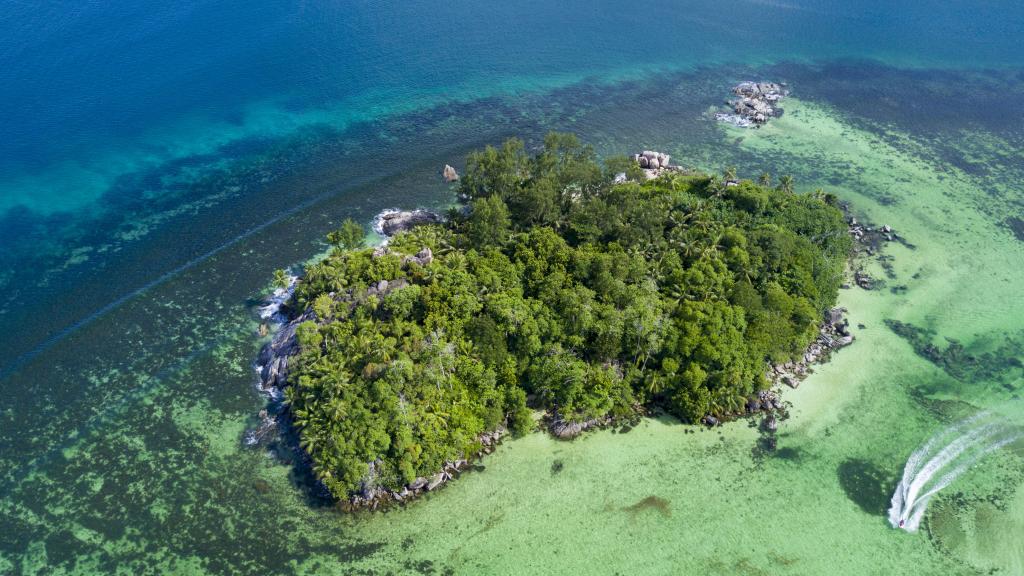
x,y
150,217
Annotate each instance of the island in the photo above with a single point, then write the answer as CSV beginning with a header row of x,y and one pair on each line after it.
x,y
566,293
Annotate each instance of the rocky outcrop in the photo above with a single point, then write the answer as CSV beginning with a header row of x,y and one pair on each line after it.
x,y
424,257
870,241
863,280
264,430
652,159
764,401
273,359
653,164
436,480
833,335
449,174
568,429
756,103
392,222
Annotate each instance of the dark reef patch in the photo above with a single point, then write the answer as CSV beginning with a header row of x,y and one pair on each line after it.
x,y
865,484
557,467
944,410
1016,225
653,503
788,453
1001,364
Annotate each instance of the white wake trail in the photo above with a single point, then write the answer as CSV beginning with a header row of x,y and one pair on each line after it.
x,y
914,463
916,460
948,454
921,504
919,484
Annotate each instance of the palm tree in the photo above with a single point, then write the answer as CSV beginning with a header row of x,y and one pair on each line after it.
x,y
317,272
435,417
281,279
336,282
786,184
714,245
655,385
336,409
730,173
716,185
765,179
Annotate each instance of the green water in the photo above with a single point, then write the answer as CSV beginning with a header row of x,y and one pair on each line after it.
x,y
146,472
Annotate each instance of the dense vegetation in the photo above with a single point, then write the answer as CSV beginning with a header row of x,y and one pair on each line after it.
x,y
562,290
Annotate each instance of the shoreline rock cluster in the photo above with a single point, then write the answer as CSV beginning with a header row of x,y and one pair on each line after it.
x,y
373,497
653,163
568,429
391,222
870,241
833,335
756,103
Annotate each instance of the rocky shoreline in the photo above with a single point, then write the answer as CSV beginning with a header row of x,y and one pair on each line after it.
x,y
833,334
272,368
569,429
391,222
373,497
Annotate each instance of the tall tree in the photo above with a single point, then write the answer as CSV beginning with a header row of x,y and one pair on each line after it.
x,y
349,237
786,184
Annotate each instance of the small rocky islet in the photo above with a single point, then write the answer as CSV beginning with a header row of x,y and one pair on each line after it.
x,y
317,312
755,104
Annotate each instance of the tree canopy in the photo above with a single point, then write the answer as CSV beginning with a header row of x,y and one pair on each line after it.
x,y
561,289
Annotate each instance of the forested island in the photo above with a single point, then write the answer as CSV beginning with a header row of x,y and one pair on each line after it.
x,y
588,291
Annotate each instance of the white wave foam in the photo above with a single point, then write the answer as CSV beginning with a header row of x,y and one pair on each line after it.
x,y
272,309
734,119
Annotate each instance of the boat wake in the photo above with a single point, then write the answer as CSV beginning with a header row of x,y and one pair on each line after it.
x,y
941,460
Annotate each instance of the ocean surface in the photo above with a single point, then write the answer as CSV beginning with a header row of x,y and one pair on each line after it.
x,y
159,160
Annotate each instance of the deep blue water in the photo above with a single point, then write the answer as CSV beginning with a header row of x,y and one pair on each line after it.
x,y
111,111
158,159
92,91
